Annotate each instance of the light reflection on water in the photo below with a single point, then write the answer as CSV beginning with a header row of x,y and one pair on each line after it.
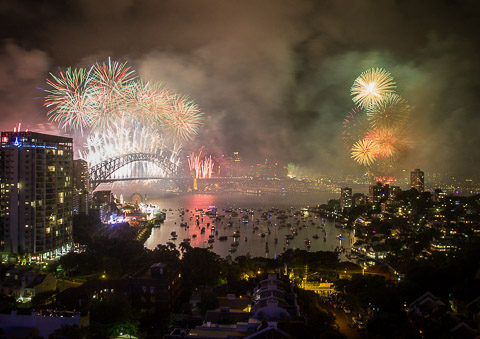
x,y
254,244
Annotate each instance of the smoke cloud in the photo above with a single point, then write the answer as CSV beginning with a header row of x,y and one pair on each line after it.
x,y
273,77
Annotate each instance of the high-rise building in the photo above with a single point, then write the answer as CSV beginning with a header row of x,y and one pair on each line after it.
x,y
345,198
378,192
234,165
80,186
417,180
36,194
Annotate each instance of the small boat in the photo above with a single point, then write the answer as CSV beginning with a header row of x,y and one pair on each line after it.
x,y
173,234
232,250
246,238
194,236
315,236
223,237
262,235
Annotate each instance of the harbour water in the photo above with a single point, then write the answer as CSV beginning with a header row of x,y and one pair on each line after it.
x,y
254,219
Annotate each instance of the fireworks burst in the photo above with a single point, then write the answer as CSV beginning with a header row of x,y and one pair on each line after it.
x,y
371,86
70,99
126,136
386,142
183,118
389,113
111,82
378,121
354,126
98,96
201,168
364,152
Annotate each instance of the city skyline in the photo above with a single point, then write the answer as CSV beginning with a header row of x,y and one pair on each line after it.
x,y
273,80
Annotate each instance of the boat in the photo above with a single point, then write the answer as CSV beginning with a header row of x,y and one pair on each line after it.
x,y
234,244
246,238
194,236
211,240
210,246
315,236
262,235
223,237
232,250
173,234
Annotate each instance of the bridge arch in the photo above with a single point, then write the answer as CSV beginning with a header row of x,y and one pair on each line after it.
x,y
102,171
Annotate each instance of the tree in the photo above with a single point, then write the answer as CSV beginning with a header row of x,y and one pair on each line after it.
x,y
200,267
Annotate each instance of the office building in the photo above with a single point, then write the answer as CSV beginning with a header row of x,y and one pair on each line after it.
x,y
417,180
36,195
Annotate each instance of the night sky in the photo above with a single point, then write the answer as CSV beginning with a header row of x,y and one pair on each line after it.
x,y
273,77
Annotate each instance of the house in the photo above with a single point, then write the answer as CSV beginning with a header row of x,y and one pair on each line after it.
x,y
21,283
274,299
154,289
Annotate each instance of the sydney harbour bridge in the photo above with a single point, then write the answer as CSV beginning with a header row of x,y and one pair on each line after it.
x,y
104,171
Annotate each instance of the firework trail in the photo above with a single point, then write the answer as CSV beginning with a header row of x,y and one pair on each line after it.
x,y
201,168
371,86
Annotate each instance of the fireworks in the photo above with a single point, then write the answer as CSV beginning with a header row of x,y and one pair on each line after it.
x,y
389,113
126,136
182,119
200,168
374,131
96,97
354,126
70,99
371,86
386,142
364,152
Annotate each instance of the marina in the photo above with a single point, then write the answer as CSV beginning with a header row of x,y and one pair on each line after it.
x,y
220,224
